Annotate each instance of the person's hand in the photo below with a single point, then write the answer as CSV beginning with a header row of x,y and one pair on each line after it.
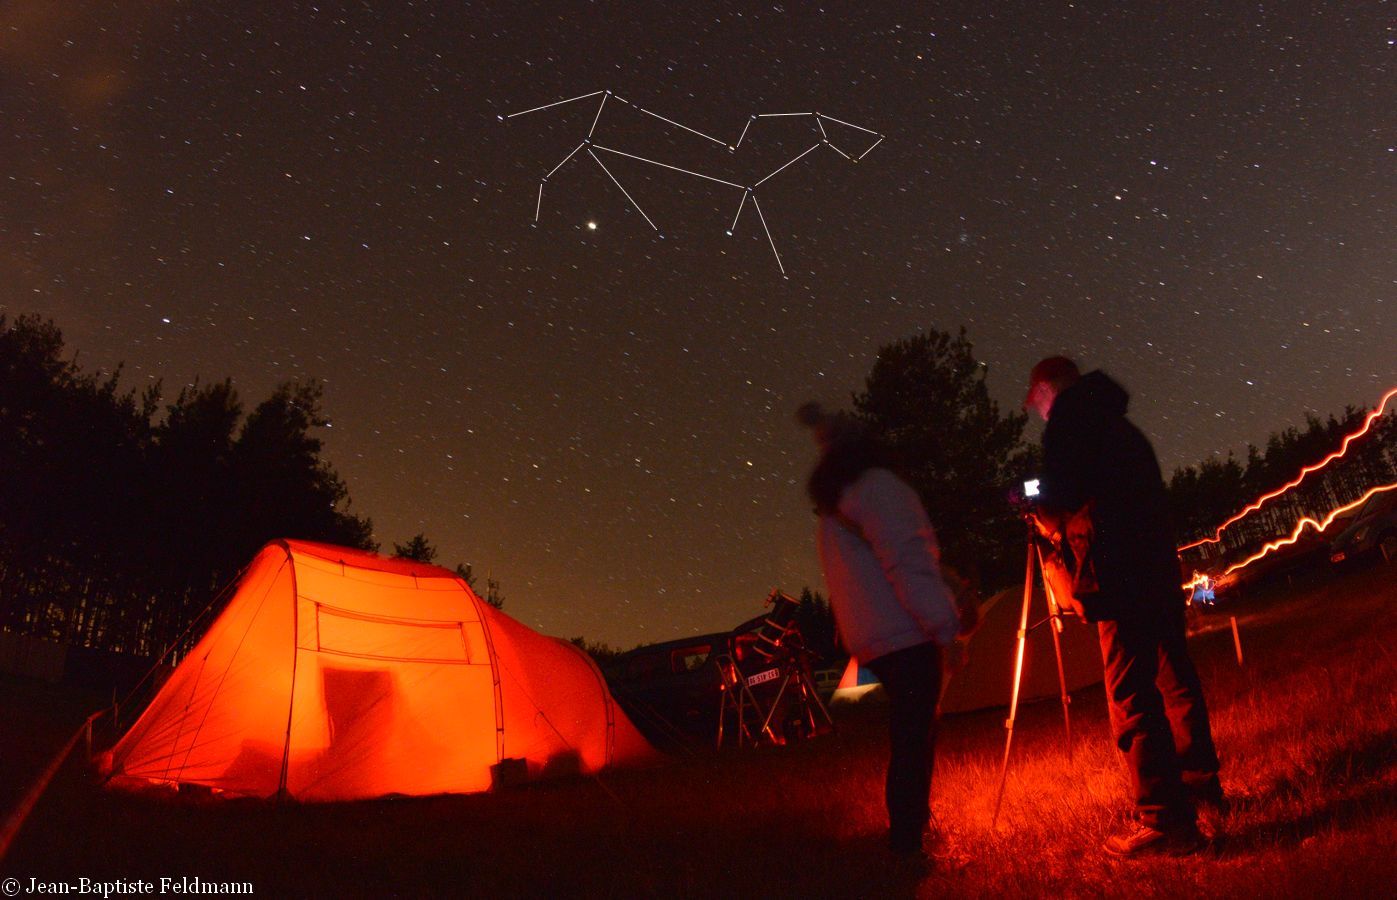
x,y
1046,526
1021,504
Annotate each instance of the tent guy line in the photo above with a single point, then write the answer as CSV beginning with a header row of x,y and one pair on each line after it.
x,y
819,119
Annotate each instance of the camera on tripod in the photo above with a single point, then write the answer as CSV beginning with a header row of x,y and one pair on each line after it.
x,y
1024,498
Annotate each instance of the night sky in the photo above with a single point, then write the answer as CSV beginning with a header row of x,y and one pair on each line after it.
x,y
1199,198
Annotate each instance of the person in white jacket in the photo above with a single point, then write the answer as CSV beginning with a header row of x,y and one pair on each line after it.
x,y
893,607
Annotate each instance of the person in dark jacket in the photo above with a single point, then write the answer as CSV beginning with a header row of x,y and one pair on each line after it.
x,y
1101,491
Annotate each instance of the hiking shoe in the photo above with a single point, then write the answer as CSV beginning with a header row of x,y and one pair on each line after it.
x,y
1145,840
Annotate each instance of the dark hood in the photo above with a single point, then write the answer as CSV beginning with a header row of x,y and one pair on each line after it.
x,y
1096,397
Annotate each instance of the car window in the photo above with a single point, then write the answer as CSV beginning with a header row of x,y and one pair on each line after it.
x,y
687,659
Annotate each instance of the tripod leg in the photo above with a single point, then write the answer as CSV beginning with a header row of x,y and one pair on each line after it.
x,y
775,705
1055,610
813,694
1018,675
722,714
766,723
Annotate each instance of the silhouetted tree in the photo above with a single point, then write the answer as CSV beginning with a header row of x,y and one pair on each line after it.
x,y
1205,495
117,526
417,549
816,623
492,595
602,653
926,398
289,491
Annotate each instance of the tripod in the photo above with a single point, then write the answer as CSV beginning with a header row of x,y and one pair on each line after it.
x,y
779,644
1054,619
794,674
736,696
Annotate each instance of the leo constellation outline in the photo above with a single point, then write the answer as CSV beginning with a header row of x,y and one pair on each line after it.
x,y
748,191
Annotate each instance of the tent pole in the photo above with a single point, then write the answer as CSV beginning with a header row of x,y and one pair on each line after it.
x,y
1018,674
281,792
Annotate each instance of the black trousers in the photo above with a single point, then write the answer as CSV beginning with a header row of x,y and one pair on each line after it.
x,y
912,680
1159,718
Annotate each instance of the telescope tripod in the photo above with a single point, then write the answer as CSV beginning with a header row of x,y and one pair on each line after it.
x,y
1054,621
778,645
795,677
736,696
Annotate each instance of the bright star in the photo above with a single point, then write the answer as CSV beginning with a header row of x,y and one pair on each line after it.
x,y
591,226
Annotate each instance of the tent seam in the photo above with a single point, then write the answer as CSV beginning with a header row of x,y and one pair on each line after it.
x,y
195,739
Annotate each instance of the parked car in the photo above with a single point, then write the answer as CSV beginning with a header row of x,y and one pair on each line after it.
x,y
675,690
827,681
1373,531
1286,562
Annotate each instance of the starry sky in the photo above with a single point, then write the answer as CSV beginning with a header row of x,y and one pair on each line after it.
x,y
1198,198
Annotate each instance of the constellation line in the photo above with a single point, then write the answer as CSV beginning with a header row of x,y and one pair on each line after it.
x,y
741,203
851,125
758,207
600,107
623,190
565,159
685,127
668,166
551,105
797,159
744,132
747,192
870,149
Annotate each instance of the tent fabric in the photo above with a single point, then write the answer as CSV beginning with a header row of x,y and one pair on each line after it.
x,y
987,678
856,684
334,674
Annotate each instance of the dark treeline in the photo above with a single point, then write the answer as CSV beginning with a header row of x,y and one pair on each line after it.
x,y
813,617
419,549
1205,495
121,516
926,398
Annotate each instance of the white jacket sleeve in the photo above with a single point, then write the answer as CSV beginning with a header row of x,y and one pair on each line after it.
x,y
890,517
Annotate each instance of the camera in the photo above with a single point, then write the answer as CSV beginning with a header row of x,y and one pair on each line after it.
x,y
1024,498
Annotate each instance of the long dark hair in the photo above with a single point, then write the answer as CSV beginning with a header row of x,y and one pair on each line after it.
x,y
843,461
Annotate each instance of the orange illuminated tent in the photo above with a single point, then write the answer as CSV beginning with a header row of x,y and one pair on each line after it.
x,y
334,674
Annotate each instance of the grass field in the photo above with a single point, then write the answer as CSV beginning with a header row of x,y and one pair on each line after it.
x,y
1308,732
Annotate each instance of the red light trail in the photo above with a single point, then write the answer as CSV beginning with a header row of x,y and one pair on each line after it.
x,y
1319,524
1207,582
1264,498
